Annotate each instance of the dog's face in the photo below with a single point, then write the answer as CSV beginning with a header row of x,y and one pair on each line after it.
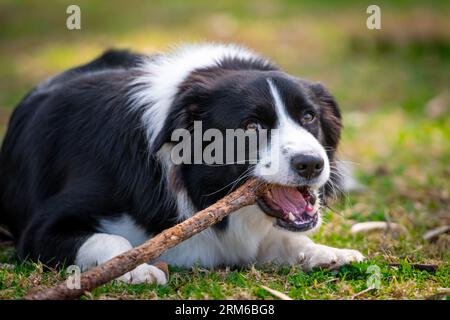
x,y
302,122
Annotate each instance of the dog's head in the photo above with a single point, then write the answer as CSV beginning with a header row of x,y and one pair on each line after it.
x,y
301,122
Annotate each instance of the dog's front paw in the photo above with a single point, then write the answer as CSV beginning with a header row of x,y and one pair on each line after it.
x,y
319,256
144,273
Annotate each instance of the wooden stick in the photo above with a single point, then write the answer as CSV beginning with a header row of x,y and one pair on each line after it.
x,y
5,234
418,266
153,248
361,293
276,293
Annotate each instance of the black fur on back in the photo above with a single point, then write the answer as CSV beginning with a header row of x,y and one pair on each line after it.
x,y
71,155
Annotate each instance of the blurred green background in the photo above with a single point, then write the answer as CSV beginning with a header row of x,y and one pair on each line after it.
x,y
392,85
402,66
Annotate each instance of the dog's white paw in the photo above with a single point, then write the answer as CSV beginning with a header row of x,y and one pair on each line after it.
x,y
328,258
144,273
346,256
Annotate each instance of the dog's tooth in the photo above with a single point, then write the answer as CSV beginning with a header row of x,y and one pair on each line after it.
x,y
291,216
310,210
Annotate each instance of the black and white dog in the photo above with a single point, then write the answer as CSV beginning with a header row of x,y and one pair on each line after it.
x,y
86,170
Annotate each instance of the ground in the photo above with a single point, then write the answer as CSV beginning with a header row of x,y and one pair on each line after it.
x,y
392,85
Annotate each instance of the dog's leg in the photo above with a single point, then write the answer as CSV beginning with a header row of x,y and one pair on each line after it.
x,y
101,247
286,247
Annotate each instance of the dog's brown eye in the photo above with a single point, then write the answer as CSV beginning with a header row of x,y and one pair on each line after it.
x,y
253,126
308,116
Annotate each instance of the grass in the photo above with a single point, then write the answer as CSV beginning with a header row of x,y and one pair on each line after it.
x,y
392,85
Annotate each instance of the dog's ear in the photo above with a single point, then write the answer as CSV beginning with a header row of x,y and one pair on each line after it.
x,y
330,118
331,125
185,109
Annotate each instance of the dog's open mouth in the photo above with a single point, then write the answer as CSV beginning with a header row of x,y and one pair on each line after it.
x,y
293,207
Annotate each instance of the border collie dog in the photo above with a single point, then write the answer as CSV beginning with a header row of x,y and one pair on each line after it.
x,y
86,170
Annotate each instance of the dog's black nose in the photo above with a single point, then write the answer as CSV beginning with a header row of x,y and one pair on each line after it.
x,y
307,166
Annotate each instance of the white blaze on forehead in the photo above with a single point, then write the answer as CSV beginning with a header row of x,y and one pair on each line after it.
x,y
279,105
156,89
292,135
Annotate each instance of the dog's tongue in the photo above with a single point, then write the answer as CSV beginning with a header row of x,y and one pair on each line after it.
x,y
288,199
